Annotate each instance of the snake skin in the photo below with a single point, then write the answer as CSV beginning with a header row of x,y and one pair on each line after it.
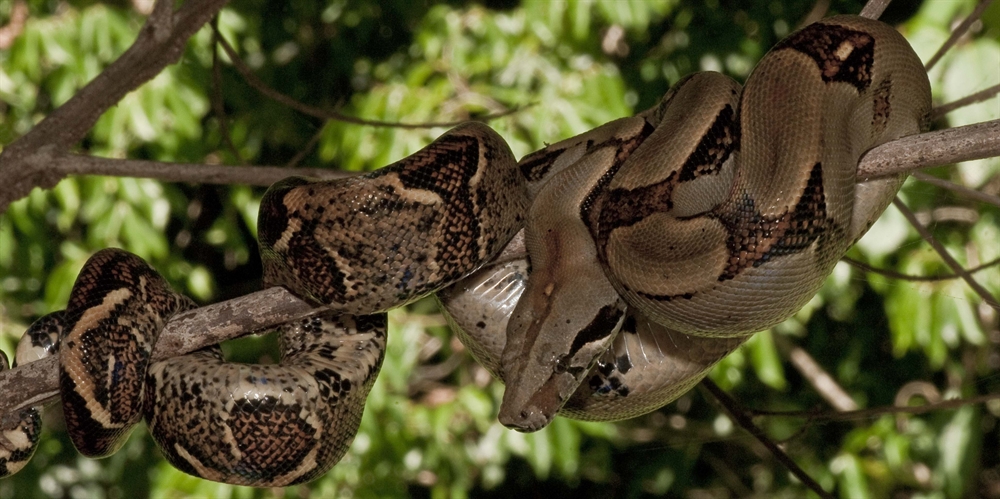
x,y
716,214
657,244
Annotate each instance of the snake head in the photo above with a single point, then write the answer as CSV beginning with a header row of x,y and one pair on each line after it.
x,y
553,339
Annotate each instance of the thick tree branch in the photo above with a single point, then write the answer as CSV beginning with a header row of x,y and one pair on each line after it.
x,y
941,147
37,382
908,154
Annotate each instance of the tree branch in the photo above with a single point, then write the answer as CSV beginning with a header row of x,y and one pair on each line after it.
x,y
24,164
961,30
739,415
940,147
980,96
950,261
38,382
77,164
908,154
965,192
825,416
258,85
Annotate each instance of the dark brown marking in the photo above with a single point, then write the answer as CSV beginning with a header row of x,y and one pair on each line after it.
x,y
722,138
536,166
593,203
273,214
755,239
881,107
841,54
600,327
626,207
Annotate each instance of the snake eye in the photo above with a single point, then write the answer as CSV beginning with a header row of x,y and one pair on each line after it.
x,y
560,366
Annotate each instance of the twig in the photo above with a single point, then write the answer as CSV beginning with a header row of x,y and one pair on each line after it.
x,y
943,252
966,192
957,33
824,416
913,278
738,413
874,8
279,97
813,372
37,382
306,149
984,94
15,25
218,104
725,471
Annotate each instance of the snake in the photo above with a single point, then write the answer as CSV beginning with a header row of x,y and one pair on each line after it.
x,y
599,278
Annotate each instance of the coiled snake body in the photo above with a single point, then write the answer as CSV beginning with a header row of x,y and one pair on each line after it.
x,y
656,243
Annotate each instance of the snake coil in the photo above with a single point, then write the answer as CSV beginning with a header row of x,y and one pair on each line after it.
x,y
652,246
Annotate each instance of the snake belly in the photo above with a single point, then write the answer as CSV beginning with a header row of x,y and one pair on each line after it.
x,y
716,214
337,244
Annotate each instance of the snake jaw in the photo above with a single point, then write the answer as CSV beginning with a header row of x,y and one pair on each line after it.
x,y
549,350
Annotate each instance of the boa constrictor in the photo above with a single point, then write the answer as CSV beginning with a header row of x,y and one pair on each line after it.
x,y
656,243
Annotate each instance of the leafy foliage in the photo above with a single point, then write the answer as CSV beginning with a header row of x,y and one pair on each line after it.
x,y
429,427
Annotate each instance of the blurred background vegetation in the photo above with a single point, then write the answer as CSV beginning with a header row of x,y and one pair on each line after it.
x,y
430,428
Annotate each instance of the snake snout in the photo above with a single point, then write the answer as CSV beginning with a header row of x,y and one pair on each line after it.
x,y
529,419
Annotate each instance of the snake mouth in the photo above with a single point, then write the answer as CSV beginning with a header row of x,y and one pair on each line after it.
x,y
528,410
529,420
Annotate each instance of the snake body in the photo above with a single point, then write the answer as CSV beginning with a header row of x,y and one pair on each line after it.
x,y
715,214
652,247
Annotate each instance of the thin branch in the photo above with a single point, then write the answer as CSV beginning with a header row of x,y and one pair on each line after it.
x,y
76,164
218,102
874,8
913,278
945,256
37,382
257,84
941,147
823,416
738,414
980,96
957,33
306,149
966,192
725,471
815,375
